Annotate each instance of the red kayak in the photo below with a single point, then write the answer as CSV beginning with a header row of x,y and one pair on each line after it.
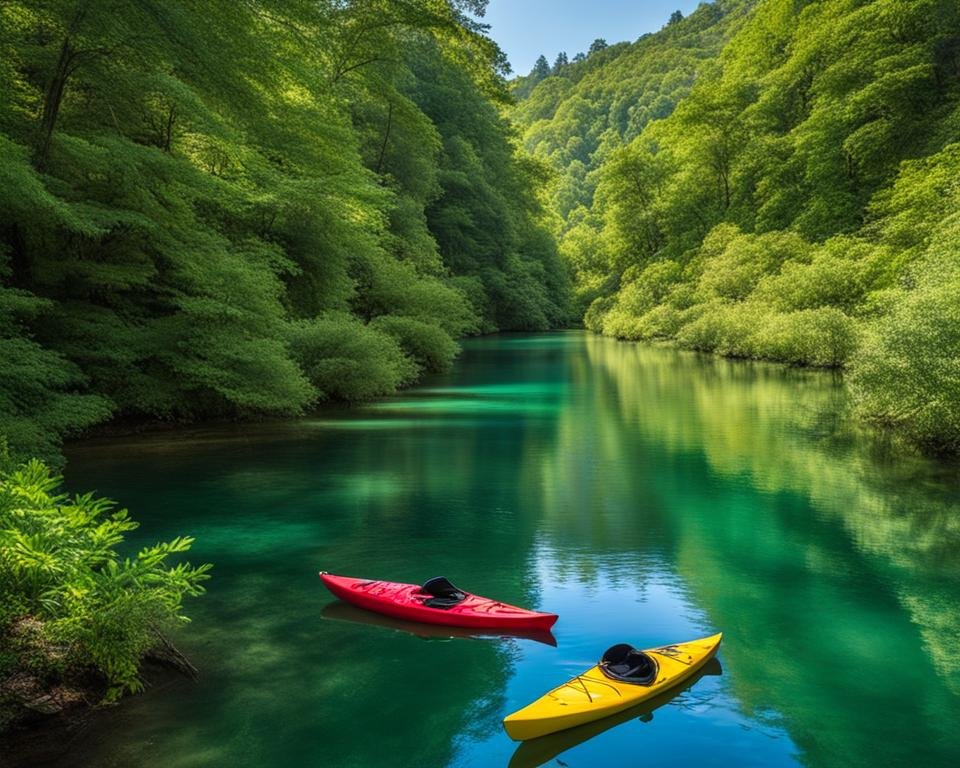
x,y
436,602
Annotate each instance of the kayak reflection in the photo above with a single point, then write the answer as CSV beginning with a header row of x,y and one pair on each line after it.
x,y
341,611
537,752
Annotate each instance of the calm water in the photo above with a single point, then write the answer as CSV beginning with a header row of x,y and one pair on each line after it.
x,y
644,494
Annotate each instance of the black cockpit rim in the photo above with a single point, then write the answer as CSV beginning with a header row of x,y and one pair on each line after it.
x,y
443,593
625,663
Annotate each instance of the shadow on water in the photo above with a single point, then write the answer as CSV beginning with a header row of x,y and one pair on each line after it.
x,y
341,611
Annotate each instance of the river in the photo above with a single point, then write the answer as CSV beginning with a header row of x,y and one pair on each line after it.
x,y
646,495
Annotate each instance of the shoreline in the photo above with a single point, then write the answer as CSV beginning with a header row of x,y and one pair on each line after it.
x,y
114,430
41,738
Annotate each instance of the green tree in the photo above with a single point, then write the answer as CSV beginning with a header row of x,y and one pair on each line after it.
x,y
195,198
596,46
541,68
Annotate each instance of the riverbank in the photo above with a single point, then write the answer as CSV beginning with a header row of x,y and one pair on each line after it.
x,y
60,723
43,691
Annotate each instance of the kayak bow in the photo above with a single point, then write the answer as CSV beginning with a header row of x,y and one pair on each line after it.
x,y
543,751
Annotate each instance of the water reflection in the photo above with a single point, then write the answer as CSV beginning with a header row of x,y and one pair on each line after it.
x,y
822,560
340,611
646,495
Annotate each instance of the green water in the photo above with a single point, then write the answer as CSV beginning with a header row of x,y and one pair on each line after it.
x,y
645,495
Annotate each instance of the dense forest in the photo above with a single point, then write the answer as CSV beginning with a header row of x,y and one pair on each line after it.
x,y
236,210
228,210
772,179
222,210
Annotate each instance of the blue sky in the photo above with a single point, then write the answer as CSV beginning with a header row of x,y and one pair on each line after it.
x,y
527,28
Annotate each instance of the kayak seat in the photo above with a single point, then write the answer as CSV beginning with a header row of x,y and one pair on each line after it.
x,y
442,593
625,663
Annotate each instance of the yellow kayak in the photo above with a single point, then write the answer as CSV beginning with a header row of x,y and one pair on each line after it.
x,y
624,678
537,752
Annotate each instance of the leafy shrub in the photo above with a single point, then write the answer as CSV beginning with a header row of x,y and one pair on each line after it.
x,y
906,373
37,407
735,271
643,290
594,317
823,336
347,359
85,606
661,322
393,287
640,295
839,275
726,329
429,345
621,325
924,194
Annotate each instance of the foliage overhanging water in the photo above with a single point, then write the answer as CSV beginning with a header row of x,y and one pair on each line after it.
x,y
646,495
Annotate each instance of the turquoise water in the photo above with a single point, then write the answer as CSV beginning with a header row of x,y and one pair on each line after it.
x,y
646,495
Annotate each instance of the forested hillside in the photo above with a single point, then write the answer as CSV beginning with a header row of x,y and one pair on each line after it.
x,y
773,179
576,113
233,209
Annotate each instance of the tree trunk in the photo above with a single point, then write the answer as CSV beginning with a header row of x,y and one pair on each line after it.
x,y
51,104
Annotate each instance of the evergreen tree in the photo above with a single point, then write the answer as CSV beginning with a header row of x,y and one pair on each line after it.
x,y
541,68
596,46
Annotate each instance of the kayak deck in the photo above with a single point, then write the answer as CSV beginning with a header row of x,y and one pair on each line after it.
x,y
593,695
408,601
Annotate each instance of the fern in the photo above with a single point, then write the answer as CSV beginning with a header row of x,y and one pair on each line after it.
x,y
59,566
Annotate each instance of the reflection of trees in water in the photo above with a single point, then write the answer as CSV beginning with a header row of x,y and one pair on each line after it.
x,y
820,557
281,686
759,465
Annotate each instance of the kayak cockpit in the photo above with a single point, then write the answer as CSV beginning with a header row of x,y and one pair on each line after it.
x,y
442,593
625,663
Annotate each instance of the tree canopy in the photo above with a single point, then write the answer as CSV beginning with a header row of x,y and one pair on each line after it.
x,y
243,209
